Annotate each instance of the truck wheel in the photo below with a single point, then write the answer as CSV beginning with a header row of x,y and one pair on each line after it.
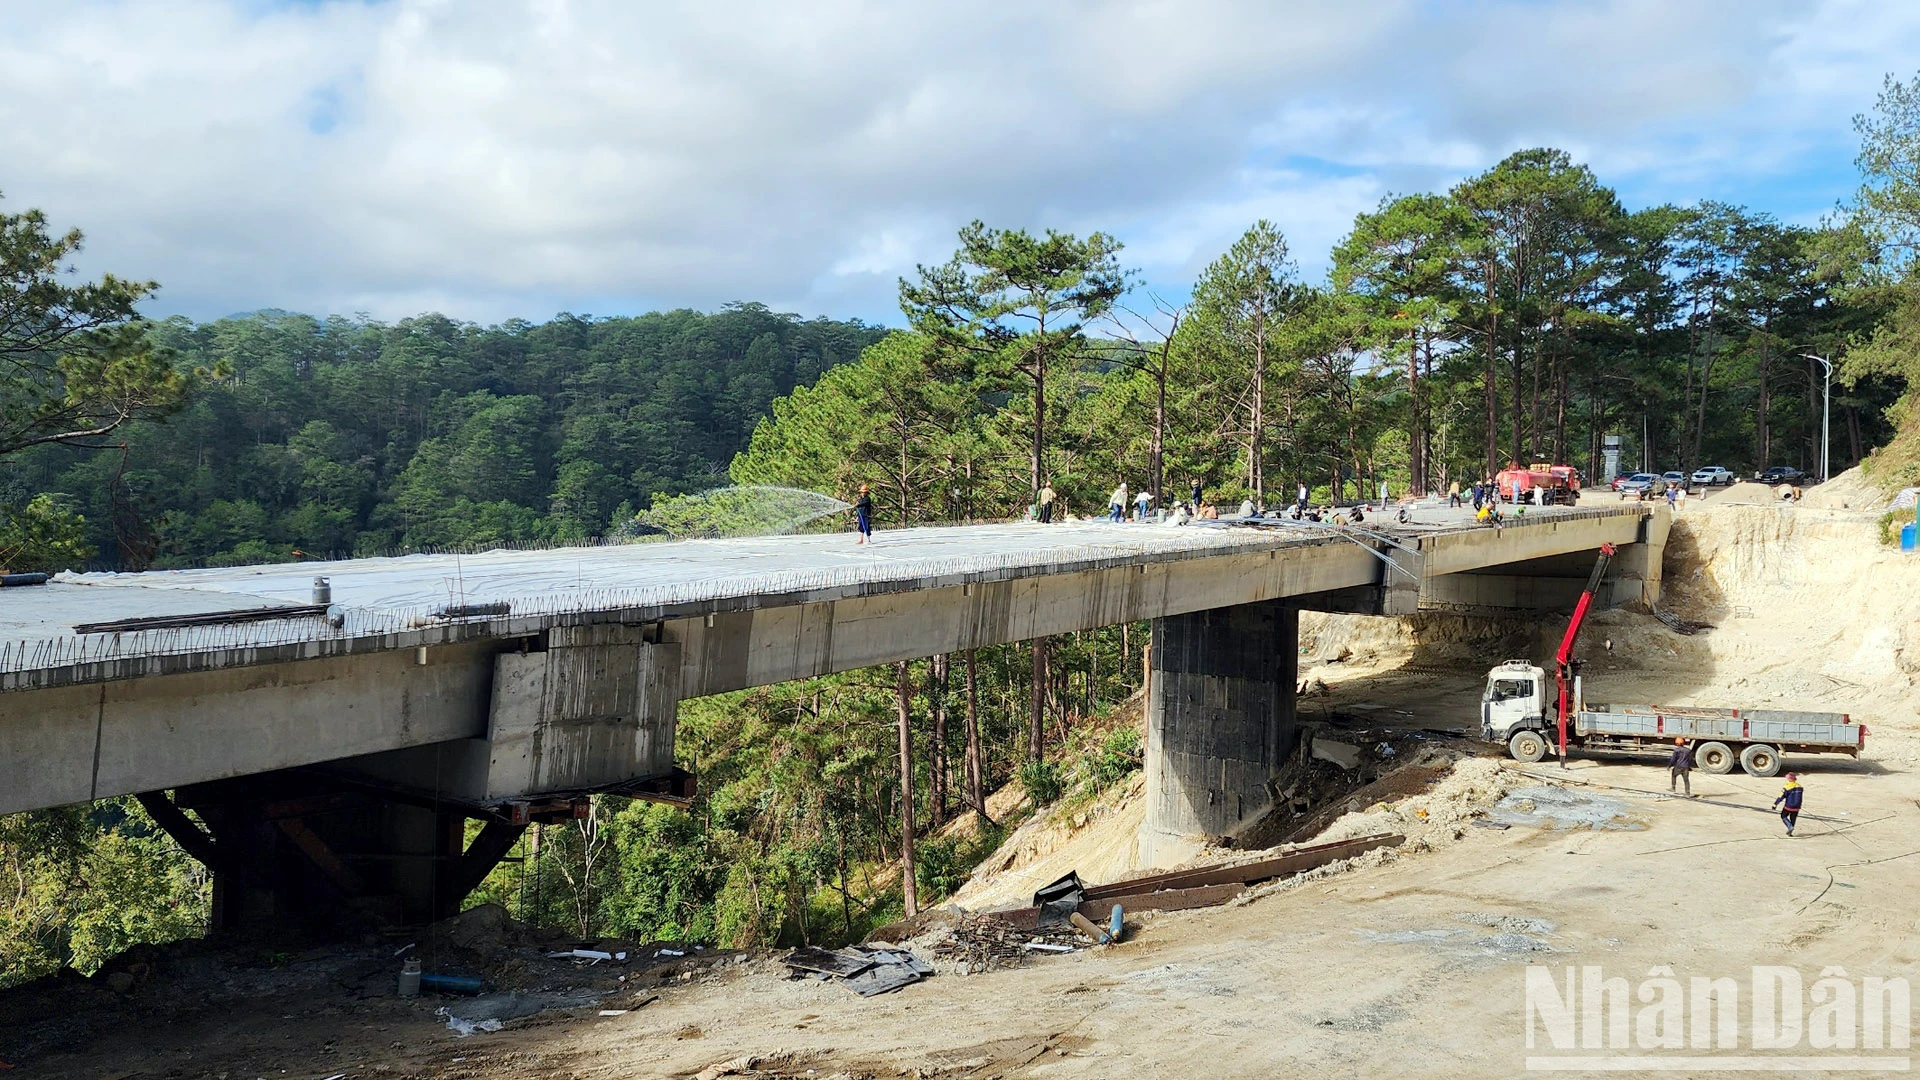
x,y
1760,760
1714,757
1527,746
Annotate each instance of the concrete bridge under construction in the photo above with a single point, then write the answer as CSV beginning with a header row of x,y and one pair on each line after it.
x,y
334,741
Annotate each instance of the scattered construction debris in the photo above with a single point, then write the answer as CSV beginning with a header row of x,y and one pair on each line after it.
x,y
592,956
843,963
867,969
1101,935
1057,902
973,944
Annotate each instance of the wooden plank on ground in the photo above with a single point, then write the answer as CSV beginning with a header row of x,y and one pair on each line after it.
x,y
1291,862
1164,900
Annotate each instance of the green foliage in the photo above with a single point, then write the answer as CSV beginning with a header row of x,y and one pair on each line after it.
x,y
1876,256
1118,756
79,363
1008,311
1041,781
1891,523
44,535
940,868
83,884
889,420
344,436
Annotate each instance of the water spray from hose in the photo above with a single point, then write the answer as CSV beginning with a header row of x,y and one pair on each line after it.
x,y
741,510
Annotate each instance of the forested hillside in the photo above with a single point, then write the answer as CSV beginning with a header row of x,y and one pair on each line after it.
x,y
345,436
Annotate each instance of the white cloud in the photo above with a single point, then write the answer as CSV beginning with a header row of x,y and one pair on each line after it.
x,y
516,157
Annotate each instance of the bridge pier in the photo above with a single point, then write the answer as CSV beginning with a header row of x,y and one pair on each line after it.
x,y
300,850
1220,721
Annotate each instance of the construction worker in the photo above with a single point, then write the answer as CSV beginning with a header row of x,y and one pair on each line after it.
x,y
1047,496
1789,801
1680,767
1117,503
863,516
1453,495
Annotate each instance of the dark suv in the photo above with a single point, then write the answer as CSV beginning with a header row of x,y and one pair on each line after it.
x,y
1781,474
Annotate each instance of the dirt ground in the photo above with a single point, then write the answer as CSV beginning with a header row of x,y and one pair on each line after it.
x,y
1408,963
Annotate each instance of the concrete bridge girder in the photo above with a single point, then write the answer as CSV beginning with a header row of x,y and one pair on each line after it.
x,y
738,650
80,743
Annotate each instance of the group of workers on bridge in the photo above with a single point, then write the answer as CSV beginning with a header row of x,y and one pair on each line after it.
x,y
1126,504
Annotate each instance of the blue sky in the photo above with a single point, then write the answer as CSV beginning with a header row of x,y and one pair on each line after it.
x,y
501,158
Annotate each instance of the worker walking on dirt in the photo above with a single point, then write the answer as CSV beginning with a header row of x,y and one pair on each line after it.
x,y
1117,504
1789,801
1680,767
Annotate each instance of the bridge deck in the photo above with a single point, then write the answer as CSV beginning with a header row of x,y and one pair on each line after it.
x,y
387,596
678,572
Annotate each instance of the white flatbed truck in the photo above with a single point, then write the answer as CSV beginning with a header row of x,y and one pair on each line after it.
x,y
1515,711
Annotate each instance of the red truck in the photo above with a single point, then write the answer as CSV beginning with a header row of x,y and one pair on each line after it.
x,y
1559,485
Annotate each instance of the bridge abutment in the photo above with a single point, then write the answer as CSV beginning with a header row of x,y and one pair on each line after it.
x,y
1220,721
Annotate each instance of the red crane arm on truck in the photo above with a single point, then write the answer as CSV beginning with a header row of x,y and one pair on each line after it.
x,y
1563,659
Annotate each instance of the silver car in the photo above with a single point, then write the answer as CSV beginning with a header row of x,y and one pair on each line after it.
x,y
1639,483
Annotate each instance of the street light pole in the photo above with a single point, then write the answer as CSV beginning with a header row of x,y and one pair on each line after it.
x,y
1826,414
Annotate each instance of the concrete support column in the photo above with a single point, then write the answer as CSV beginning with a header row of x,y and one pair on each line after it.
x,y
1635,581
1220,720
296,853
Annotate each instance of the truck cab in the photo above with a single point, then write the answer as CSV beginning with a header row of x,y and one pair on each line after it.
x,y
1515,700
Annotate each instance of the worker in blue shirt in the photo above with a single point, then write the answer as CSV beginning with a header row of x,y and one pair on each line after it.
x,y
1789,801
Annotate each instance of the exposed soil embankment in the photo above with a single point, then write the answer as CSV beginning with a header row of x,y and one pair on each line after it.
x,y
1809,611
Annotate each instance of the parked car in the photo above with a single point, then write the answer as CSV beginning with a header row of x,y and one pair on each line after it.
x,y
1713,475
1640,483
1674,476
1780,474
